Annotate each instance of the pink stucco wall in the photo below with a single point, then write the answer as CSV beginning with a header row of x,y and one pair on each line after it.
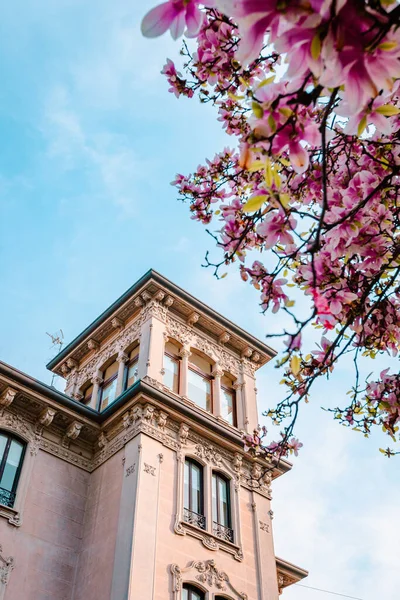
x,y
45,548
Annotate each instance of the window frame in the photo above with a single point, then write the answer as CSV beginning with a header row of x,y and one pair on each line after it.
x,y
231,391
131,362
105,383
178,361
190,587
3,462
192,462
210,378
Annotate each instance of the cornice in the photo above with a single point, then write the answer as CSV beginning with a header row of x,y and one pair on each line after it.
x,y
153,286
288,573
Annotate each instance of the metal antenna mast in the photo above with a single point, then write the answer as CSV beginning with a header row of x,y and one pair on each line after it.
x,y
57,340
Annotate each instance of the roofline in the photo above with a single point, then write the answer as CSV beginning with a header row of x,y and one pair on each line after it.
x,y
173,288
297,572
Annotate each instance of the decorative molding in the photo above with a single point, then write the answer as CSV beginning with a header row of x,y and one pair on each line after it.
x,y
149,469
264,526
208,576
7,397
6,566
92,344
46,417
117,323
224,338
193,318
209,453
130,470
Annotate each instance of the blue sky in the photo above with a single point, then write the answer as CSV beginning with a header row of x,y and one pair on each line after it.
x,y
90,141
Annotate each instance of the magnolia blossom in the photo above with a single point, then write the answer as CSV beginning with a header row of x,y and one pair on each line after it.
x,y
174,15
305,199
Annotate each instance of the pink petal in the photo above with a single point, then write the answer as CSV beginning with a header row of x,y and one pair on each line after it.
x,y
298,156
158,20
194,20
178,25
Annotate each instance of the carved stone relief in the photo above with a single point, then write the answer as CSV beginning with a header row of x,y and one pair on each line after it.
x,y
208,575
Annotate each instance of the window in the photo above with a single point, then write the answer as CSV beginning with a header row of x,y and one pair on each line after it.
x,y
12,454
193,503
171,367
109,387
87,394
131,369
221,507
228,400
199,382
190,592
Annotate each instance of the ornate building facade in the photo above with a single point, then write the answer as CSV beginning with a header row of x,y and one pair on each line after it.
x,y
133,484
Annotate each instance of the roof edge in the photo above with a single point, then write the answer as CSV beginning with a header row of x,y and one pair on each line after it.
x,y
151,274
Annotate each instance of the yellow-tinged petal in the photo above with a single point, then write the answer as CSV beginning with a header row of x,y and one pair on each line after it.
x,y
387,46
267,81
255,203
295,364
268,173
284,199
257,110
316,46
362,125
388,110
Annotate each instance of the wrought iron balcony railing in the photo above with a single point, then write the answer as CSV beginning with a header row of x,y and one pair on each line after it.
x,y
193,518
224,533
7,498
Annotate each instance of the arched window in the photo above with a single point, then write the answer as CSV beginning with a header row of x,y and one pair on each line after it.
x,y
200,381
171,366
228,400
190,592
221,507
108,388
193,496
131,369
12,453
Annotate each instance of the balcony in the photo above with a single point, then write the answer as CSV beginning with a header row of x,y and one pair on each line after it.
x,y
222,532
193,518
7,498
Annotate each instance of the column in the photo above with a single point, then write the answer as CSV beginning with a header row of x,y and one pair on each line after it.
x,y
97,380
216,385
239,405
184,353
122,359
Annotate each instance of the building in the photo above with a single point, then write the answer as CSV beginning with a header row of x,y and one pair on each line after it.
x,y
134,483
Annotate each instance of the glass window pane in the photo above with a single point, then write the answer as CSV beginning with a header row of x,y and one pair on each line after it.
x,y
171,373
199,390
196,489
185,594
3,442
214,498
132,373
223,502
108,394
227,405
186,486
110,371
11,466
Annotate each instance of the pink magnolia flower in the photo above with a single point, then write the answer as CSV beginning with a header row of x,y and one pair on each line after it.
x,y
294,446
254,17
174,15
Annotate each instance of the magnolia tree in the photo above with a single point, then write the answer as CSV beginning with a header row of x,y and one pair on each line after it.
x,y
309,92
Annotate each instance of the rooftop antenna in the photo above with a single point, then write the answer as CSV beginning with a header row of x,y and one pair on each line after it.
x,y
57,340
